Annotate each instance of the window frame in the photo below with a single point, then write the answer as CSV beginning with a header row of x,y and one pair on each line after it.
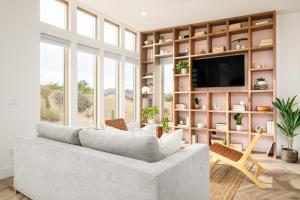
x,y
118,35
134,90
96,33
96,87
67,15
135,40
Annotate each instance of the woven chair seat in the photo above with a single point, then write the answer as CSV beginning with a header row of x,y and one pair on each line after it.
x,y
116,123
226,152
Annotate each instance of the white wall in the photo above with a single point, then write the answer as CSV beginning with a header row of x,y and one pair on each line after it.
x,y
288,63
19,75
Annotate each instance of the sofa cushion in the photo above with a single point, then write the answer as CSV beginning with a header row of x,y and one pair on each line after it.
x,y
170,143
59,133
141,147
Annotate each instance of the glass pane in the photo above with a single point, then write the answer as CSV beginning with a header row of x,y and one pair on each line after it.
x,y
168,91
86,89
110,88
111,33
130,41
52,64
54,12
129,92
86,24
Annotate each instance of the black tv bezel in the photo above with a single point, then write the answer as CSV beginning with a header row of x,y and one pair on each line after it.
x,y
236,86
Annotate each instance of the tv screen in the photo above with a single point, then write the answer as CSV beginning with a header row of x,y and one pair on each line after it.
x,y
227,71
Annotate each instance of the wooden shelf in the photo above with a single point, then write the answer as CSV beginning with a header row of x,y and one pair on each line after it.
x,y
164,55
262,48
228,52
210,95
262,27
170,43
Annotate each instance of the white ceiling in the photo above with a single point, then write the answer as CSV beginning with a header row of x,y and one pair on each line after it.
x,y
165,13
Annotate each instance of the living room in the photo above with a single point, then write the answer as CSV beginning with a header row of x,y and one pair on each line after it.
x,y
149,99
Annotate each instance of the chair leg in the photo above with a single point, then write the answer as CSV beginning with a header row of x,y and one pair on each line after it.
x,y
252,177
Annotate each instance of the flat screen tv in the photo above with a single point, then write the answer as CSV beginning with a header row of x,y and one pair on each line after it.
x,y
227,71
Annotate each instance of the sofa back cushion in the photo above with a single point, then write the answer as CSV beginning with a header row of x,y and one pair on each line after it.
x,y
141,147
59,133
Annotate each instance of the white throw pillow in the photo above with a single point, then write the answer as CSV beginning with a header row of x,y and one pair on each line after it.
x,y
149,129
170,143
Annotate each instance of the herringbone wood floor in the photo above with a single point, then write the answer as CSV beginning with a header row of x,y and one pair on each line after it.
x,y
282,179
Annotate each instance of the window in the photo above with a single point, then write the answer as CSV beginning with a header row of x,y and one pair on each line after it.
x,y
86,24
130,40
52,88
110,88
111,33
168,91
129,104
86,89
54,12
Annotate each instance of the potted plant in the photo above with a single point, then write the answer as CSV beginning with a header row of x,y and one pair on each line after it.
x,y
182,67
165,124
290,115
160,38
197,103
261,81
149,114
238,117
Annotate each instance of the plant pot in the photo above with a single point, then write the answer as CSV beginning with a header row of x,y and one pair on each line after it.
x,y
197,106
183,71
261,83
159,131
181,122
288,155
160,41
239,127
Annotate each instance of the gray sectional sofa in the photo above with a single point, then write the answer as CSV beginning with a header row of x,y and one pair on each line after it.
x,y
46,169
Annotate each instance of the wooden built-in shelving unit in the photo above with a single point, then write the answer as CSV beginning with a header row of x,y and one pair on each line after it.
x,y
218,33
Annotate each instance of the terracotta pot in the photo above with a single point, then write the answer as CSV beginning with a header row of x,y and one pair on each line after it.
x,y
197,106
288,155
159,131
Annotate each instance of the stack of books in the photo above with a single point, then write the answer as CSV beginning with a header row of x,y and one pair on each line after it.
x,y
235,26
270,127
221,126
218,139
266,42
239,107
199,33
180,106
262,22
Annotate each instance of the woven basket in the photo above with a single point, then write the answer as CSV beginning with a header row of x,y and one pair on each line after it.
x,y
289,156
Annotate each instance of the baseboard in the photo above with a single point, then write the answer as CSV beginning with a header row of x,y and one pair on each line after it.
x,y
6,172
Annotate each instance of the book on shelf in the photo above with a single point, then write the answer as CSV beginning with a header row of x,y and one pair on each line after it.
x,y
270,127
235,26
239,107
194,139
266,42
221,126
262,22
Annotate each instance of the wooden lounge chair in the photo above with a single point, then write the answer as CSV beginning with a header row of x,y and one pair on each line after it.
x,y
116,123
237,159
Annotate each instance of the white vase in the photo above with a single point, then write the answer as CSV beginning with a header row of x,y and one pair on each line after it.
x,y
239,127
261,83
183,71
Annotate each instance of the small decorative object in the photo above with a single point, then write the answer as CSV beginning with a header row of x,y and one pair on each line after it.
x,y
148,42
238,44
199,33
200,125
197,103
257,127
217,106
262,22
263,108
181,121
179,37
258,66
238,117
235,26
180,106
204,107
160,38
165,124
149,114
261,84
217,49
201,51
266,42
221,126
290,114
182,66
169,40
186,36
183,53
219,30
